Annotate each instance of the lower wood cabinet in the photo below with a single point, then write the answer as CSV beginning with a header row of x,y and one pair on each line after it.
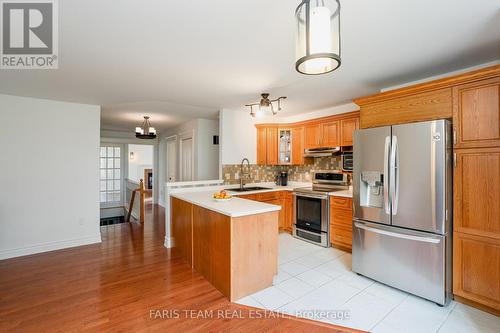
x,y
476,269
278,198
476,240
288,206
341,222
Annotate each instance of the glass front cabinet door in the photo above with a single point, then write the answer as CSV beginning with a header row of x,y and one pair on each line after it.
x,y
285,146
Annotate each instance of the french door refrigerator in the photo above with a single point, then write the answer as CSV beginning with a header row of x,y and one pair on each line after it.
x,y
402,197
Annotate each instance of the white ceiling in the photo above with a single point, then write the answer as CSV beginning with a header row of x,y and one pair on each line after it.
x,y
175,60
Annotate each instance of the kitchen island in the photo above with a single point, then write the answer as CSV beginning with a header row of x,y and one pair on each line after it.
x,y
233,244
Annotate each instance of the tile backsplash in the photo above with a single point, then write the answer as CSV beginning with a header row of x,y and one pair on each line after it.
x,y
267,173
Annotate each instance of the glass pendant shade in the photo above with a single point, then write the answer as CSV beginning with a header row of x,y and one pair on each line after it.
x,y
318,36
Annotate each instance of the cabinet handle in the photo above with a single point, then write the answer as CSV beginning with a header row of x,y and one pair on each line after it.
x,y
454,135
454,160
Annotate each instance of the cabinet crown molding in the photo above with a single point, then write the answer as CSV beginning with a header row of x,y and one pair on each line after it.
x,y
340,116
447,82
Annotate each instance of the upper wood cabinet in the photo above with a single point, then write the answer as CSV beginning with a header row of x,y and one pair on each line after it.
x,y
298,145
468,97
332,131
476,116
347,128
312,136
267,145
390,108
477,192
261,145
330,134
272,146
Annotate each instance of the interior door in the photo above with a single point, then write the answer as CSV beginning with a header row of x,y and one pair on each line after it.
x,y
419,186
171,160
370,176
186,159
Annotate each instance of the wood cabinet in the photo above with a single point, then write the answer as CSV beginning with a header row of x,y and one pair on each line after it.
x,y
330,134
341,222
272,146
267,145
278,198
476,116
476,269
298,145
281,218
391,108
312,136
261,145
476,248
347,128
440,99
332,131
477,192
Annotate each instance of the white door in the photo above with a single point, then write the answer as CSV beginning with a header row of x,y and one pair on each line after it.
x,y
186,159
171,160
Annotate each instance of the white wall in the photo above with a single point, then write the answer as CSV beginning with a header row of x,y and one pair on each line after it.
x,y
49,161
238,135
206,154
143,159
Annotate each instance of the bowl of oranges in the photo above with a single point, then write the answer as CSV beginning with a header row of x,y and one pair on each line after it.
x,y
222,196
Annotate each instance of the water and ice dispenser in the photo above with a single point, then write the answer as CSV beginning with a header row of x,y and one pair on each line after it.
x,y
372,189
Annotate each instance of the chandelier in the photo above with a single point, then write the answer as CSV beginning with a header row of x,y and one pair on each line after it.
x,y
145,131
318,36
265,105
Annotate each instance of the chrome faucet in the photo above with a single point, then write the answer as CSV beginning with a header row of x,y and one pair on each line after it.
x,y
243,174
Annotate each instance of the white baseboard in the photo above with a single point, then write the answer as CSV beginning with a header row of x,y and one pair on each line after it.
x,y
50,246
168,242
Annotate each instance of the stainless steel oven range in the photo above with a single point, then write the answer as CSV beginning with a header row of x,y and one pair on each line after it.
x,y
312,207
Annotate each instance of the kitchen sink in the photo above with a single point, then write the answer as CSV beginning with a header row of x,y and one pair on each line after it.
x,y
247,189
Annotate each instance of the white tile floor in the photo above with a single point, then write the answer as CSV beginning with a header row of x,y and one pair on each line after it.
x,y
314,278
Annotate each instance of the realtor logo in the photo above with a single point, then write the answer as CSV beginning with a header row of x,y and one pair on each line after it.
x,y
29,34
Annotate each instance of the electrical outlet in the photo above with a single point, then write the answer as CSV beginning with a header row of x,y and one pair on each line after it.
x,y
81,221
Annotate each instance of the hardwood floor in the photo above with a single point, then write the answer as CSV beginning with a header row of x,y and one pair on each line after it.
x,y
114,286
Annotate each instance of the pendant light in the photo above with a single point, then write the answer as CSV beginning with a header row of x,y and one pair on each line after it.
x,y
145,131
265,105
318,36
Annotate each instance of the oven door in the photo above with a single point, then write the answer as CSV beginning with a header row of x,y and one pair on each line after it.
x,y
311,212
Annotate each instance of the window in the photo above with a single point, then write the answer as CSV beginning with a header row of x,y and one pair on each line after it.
x,y
110,174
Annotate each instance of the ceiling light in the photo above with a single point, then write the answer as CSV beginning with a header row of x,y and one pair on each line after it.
x,y
318,36
145,131
265,106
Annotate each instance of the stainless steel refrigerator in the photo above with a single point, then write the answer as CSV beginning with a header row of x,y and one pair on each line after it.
x,y
402,203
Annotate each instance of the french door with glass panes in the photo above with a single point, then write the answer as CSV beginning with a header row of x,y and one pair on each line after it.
x,y
110,174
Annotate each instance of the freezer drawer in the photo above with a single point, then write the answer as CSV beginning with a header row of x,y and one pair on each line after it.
x,y
408,260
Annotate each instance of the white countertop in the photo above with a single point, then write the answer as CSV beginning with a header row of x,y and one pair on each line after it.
x,y
346,193
236,207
